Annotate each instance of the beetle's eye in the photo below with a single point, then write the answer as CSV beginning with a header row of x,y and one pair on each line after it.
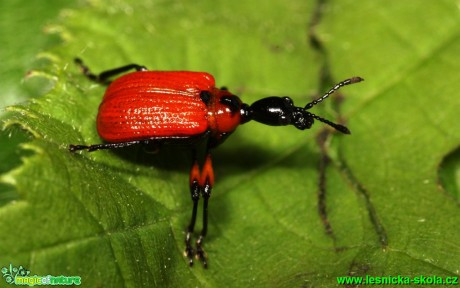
x,y
232,102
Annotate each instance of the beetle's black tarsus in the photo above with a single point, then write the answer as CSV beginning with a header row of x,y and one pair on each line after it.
x,y
200,254
104,76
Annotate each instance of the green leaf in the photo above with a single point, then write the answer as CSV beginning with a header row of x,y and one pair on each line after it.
x,y
22,23
289,208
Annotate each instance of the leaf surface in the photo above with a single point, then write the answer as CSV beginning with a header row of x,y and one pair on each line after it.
x,y
116,218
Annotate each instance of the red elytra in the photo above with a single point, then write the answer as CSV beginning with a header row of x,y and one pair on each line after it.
x,y
182,107
146,104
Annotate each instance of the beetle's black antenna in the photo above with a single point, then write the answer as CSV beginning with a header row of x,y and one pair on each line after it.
x,y
332,90
336,126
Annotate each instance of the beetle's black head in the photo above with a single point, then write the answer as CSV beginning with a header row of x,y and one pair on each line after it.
x,y
280,111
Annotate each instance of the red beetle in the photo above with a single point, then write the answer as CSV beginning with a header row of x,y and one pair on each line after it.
x,y
182,107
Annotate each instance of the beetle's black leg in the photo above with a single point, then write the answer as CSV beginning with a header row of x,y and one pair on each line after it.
x,y
201,182
195,193
104,76
207,182
94,147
